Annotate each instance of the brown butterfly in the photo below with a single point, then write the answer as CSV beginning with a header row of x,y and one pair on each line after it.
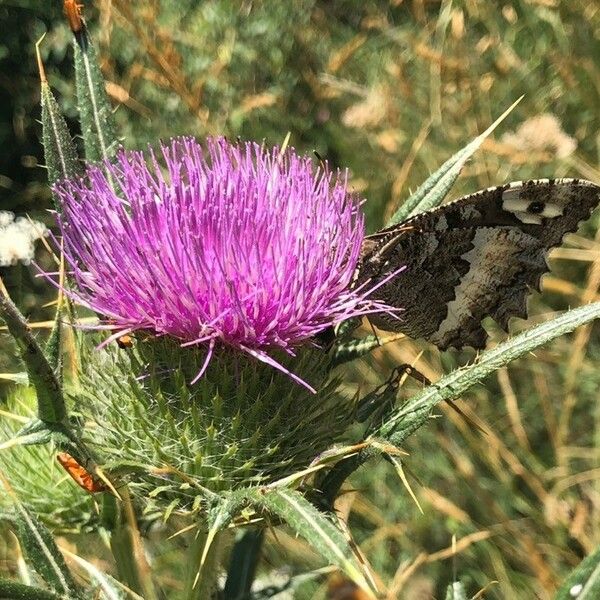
x,y
478,256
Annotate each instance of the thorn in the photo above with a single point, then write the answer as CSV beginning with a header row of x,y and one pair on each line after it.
x,y
39,59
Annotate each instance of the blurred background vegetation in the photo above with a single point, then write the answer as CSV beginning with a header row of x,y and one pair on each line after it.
x,y
388,90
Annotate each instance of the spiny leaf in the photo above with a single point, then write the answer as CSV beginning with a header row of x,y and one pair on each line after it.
x,y
584,581
318,530
433,191
97,121
416,411
345,328
218,517
403,421
51,405
60,153
43,554
54,343
11,590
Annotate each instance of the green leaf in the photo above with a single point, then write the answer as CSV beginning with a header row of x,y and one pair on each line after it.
x,y
51,404
11,590
456,591
95,112
584,581
43,554
347,351
416,411
243,563
433,191
60,152
345,328
318,530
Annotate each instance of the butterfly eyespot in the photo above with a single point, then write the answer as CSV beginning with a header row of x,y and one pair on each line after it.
x,y
536,208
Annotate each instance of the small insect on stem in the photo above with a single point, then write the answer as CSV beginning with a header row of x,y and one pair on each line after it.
x,y
79,474
73,14
125,341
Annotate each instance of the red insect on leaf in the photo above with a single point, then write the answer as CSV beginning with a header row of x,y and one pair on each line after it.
x,y
79,474
73,14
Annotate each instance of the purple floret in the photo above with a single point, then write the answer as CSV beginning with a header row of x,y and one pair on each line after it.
x,y
238,245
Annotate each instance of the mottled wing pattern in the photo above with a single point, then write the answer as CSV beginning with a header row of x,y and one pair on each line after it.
x,y
478,256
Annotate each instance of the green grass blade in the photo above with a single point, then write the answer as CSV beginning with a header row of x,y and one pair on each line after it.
x,y
18,378
317,529
415,412
433,191
243,563
97,122
43,554
11,590
584,581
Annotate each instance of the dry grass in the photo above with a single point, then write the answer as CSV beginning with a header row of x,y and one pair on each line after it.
x,y
390,90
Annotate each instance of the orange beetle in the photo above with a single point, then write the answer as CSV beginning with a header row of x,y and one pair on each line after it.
x,y
80,475
73,13
125,341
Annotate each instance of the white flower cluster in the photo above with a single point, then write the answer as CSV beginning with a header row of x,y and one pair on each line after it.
x,y
542,133
17,238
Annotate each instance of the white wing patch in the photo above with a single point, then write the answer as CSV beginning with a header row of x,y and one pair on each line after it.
x,y
532,210
491,261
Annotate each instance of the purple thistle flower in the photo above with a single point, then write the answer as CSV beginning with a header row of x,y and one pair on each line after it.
x,y
241,246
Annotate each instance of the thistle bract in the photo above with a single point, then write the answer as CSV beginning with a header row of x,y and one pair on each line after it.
x,y
225,263
240,246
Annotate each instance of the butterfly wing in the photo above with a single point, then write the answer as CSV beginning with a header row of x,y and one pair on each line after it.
x,y
478,256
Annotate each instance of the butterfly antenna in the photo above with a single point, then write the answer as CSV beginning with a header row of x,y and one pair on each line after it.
x,y
375,333
320,159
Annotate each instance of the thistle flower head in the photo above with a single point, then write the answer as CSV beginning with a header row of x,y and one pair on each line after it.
x,y
241,246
